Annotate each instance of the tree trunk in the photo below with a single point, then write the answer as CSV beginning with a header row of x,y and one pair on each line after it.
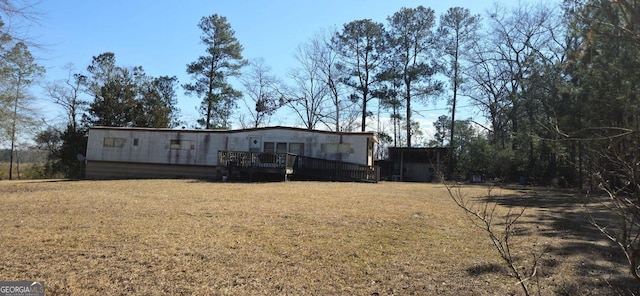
x,y
408,98
452,157
13,128
364,112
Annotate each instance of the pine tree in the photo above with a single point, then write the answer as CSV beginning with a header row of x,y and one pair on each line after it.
x,y
223,59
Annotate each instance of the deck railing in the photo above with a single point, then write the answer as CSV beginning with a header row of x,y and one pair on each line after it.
x,y
333,169
256,159
298,165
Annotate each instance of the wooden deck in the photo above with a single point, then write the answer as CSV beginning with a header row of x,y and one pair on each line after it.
x,y
251,163
289,165
333,170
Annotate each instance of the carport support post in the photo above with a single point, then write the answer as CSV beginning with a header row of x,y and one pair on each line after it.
x,y
438,162
401,165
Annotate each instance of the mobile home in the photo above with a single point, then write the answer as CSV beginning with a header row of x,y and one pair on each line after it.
x,y
169,153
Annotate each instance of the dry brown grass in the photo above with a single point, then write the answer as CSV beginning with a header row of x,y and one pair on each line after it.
x,y
159,237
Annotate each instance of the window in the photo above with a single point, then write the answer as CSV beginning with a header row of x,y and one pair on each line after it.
x,y
345,148
274,147
269,147
113,142
181,145
333,148
135,142
329,148
296,148
281,147
174,145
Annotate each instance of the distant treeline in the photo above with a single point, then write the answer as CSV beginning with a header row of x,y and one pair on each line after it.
x,y
24,156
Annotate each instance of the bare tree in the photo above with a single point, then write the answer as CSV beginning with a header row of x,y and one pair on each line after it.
x,y
500,227
338,112
19,15
489,89
623,201
66,94
18,8
518,40
262,97
310,94
616,172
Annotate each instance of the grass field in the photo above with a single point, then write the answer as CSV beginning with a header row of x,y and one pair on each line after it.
x,y
186,237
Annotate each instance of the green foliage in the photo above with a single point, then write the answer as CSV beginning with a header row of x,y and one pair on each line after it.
x,y
18,70
114,92
599,100
532,111
65,152
223,59
156,106
443,129
50,142
127,97
602,124
458,34
40,171
74,143
473,151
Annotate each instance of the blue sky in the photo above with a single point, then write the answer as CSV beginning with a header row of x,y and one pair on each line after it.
x,y
162,36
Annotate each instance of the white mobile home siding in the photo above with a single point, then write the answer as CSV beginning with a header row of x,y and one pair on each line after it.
x,y
313,143
139,152
154,146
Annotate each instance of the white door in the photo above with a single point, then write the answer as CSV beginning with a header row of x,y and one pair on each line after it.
x,y
255,144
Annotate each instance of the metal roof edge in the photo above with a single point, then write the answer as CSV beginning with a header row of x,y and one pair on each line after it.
x,y
370,133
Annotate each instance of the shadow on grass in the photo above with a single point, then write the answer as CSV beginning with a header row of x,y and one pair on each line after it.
x,y
53,180
485,268
565,215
